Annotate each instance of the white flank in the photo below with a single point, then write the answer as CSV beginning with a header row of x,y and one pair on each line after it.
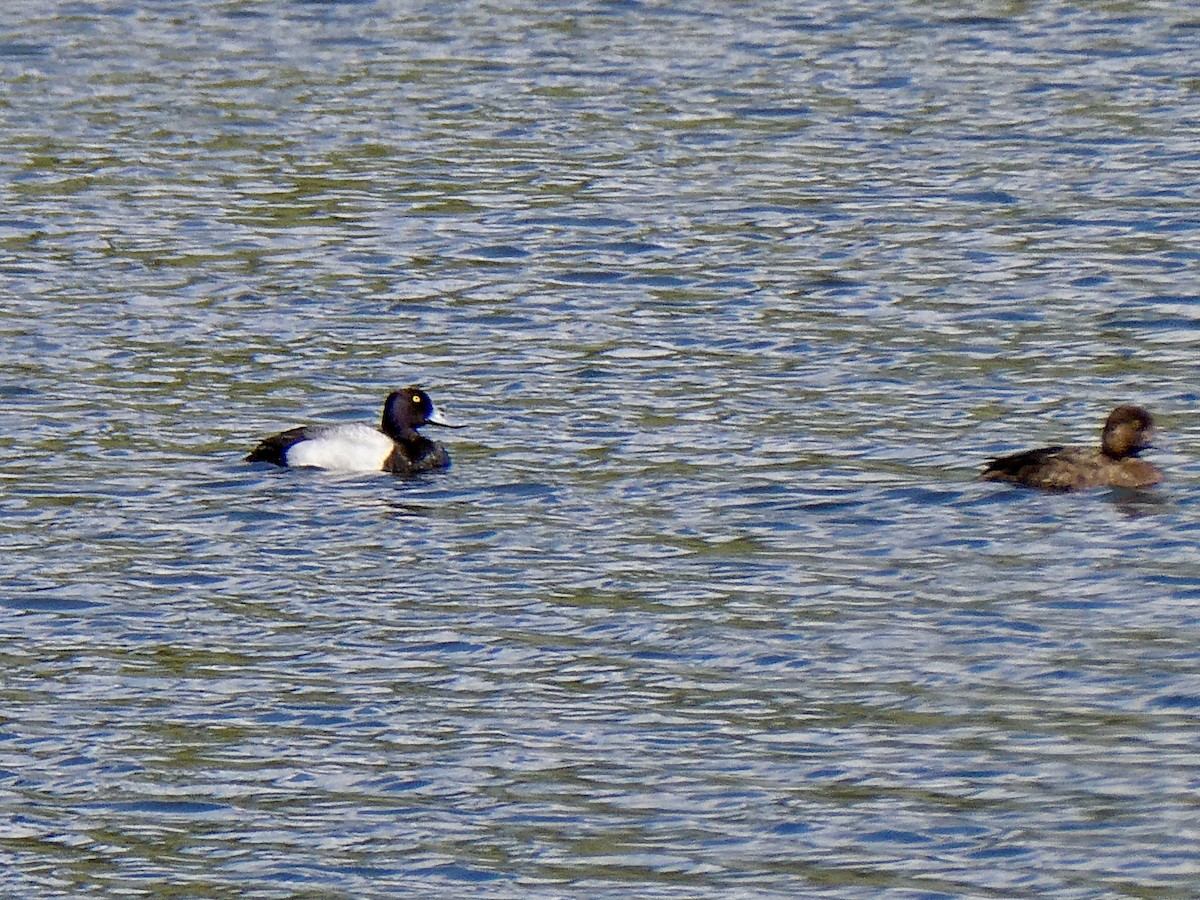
x,y
348,448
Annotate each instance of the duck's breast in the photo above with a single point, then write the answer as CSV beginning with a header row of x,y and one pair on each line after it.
x,y
1134,473
422,455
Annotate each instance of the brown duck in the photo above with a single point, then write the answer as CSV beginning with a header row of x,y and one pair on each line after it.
x,y
1127,432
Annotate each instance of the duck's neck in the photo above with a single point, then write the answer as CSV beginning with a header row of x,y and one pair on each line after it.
x,y
1118,453
398,431
412,442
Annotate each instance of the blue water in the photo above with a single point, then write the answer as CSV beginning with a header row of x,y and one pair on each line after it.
x,y
735,301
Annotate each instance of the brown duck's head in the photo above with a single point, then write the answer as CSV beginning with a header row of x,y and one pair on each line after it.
x,y
1127,431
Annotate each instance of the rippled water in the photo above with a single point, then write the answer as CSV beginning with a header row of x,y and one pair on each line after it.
x,y
735,298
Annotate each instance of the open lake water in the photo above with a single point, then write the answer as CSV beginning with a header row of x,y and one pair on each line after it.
x,y
735,299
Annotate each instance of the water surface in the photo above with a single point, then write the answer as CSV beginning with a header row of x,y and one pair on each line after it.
x,y
735,301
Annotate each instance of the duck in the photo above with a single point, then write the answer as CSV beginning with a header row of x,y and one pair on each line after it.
x,y
1127,432
395,446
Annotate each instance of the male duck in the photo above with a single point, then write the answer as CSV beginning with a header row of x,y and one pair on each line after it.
x,y
1128,431
395,446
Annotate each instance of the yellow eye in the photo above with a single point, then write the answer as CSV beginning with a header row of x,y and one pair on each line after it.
x,y
416,398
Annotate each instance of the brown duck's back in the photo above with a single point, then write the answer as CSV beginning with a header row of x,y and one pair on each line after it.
x,y
1070,469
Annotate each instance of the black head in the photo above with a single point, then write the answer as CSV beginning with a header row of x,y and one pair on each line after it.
x,y
1127,431
406,410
